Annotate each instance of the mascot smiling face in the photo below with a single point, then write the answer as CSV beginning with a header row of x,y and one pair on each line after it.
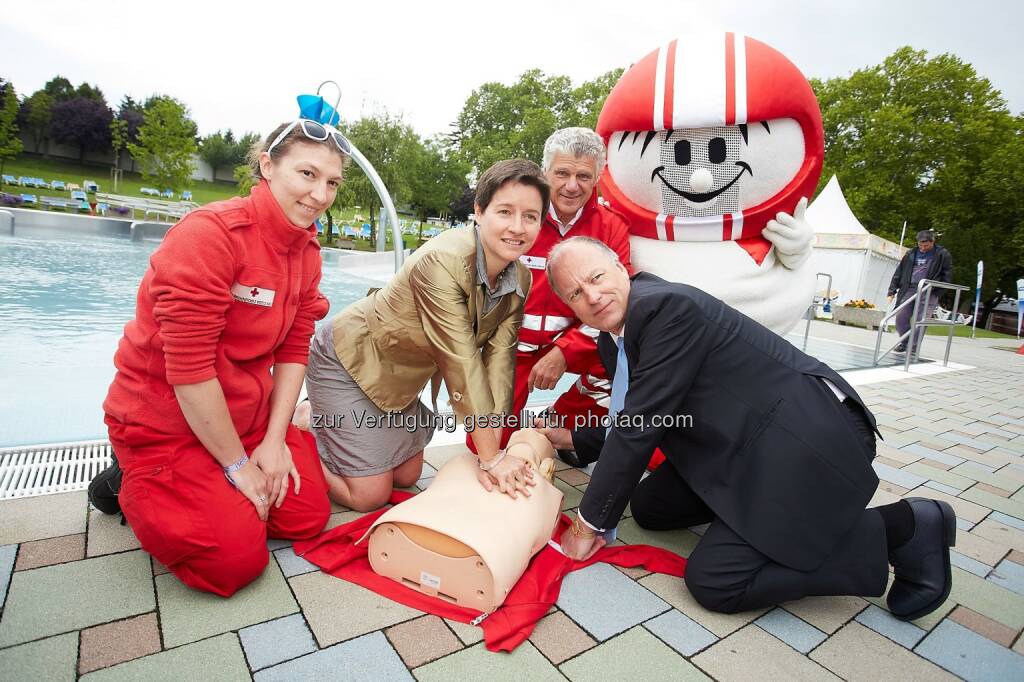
x,y
709,139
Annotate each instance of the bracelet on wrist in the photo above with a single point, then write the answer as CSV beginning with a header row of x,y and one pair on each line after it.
x,y
232,468
487,466
579,531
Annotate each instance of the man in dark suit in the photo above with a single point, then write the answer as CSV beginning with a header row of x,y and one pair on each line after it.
x,y
767,444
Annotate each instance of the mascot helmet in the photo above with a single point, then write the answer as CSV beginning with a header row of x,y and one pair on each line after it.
x,y
708,138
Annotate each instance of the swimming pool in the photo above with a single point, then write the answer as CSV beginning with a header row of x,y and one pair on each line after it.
x,y
64,302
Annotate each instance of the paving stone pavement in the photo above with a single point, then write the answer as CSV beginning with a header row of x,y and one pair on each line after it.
x,y
78,597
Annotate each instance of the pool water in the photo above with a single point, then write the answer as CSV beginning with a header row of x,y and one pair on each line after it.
x,y
63,306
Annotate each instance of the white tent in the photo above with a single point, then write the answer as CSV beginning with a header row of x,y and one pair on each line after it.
x,y
861,264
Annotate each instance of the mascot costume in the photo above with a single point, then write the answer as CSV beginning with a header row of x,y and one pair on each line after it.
x,y
714,145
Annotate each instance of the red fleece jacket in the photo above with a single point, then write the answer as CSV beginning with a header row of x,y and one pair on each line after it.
x,y
232,290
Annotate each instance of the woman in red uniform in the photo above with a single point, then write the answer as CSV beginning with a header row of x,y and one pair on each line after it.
x,y
209,371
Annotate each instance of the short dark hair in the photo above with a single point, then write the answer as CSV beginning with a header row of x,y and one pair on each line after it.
x,y
294,135
925,236
519,171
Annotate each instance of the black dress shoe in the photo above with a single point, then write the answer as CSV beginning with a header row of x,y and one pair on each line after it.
x,y
571,458
923,576
105,487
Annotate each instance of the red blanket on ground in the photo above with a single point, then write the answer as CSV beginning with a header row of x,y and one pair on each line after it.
x,y
509,626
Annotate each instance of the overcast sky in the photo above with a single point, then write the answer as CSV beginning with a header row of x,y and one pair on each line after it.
x,y
240,65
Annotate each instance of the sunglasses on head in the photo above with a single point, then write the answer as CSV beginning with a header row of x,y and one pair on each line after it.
x,y
314,131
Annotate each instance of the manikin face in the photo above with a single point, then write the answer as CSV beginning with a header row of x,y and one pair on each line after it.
x,y
702,172
304,181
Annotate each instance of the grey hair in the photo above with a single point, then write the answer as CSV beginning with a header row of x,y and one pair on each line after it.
x,y
575,142
926,236
555,255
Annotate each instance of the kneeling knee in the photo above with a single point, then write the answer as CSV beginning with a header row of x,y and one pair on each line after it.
x,y
222,572
708,591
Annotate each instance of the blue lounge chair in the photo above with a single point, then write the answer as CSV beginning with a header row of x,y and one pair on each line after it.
x,y
79,195
90,186
57,184
186,195
167,194
28,198
10,180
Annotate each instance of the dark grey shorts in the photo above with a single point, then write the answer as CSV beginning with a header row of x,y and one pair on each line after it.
x,y
348,446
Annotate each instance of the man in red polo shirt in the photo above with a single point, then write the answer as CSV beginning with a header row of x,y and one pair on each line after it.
x,y
551,340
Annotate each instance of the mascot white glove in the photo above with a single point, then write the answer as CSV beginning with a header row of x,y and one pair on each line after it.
x,y
791,235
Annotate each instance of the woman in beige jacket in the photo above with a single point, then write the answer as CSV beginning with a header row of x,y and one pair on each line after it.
x,y
452,312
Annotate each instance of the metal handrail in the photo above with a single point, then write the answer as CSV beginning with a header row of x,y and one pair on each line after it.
x,y
385,200
810,308
924,290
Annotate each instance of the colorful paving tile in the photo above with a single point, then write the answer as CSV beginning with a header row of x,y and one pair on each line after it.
x,y
681,632
636,654
44,659
752,651
477,663
56,599
856,653
50,551
218,658
187,615
277,640
605,602
123,640
969,655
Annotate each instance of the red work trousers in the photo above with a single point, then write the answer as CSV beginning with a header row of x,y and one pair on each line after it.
x,y
190,518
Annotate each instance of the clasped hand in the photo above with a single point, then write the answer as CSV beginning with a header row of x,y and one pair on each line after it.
x,y
512,475
274,459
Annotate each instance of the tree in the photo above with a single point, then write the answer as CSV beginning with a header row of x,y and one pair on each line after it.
x,y
60,89
390,145
166,143
90,92
131,112
244,178
929,141
513,121
10,140
35,116
463,204
219,149
590,97
82,122
436,179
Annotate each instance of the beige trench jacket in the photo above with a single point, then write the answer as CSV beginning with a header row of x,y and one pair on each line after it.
x,y
429,319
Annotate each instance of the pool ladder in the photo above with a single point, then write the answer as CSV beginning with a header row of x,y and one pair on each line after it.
x,y
924,292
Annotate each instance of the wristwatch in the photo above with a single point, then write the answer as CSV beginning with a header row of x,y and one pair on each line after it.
x,y
232,468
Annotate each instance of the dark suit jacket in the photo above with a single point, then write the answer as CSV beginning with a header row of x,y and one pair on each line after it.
x,y
769,449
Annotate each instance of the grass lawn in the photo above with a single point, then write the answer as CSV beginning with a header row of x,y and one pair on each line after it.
x,y
203,191
59,169
965,331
